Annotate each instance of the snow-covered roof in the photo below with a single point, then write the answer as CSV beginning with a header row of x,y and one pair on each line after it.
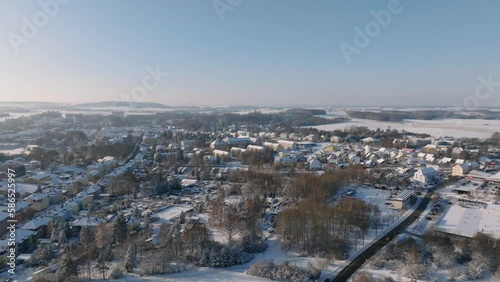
x,y
428,171
36,223
478,174
87,221
172,212
3,216
495,178
446,160
468,221
403,196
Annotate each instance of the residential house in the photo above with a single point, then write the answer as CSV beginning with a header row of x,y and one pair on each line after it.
x,y
221,154
314,164
217,145
237,151
287,144
255,148
460,169
39,226
285,160
39,201
336,139
55,195
187,145
275,147
425,175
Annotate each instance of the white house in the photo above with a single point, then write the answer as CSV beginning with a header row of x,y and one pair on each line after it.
x,y
272,146
237,151
460,169
287,144
425,175
221,154
255,148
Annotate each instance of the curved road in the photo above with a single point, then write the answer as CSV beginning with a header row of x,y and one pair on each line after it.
x,y
352,267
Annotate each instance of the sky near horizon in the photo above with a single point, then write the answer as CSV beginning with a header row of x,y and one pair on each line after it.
x,y
251,52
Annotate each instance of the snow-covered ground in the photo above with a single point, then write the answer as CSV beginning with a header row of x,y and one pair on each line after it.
x,y
17,115
473,128
17,151
273,252
233,273
440,275
262,110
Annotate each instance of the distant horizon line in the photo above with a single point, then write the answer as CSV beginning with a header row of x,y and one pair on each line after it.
x,y
242,105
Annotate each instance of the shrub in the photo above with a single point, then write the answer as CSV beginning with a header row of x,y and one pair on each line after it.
x,y
252,245
116,273
217,255
285,271
363,277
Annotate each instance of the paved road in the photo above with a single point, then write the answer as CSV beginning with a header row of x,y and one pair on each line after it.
x,y
352,267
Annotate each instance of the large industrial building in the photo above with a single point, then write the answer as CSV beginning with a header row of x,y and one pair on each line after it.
x,y
467,222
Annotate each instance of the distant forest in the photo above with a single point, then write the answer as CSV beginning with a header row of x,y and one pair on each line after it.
x,y
286,119
392,115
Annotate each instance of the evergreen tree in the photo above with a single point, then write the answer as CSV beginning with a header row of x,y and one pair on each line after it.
x,y
68,267
214,258
66,228
131,257
62,239
182,218
47,253
120,228
54,235
110,255
247,244
136,213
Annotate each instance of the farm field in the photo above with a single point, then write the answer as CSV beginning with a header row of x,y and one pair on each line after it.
x,y
471,128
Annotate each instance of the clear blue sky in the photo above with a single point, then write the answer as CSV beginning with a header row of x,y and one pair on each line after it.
x,y
263,52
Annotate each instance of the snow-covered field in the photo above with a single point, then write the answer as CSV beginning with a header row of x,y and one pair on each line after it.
x,y
17,151
479,128
16,115
262,110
